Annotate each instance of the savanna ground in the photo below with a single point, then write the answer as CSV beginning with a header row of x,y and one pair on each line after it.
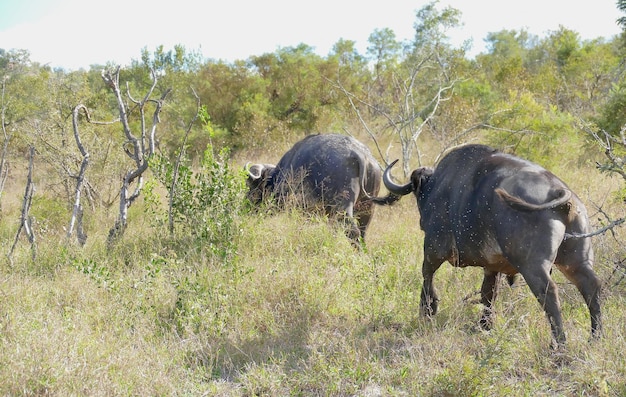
x,y
287,307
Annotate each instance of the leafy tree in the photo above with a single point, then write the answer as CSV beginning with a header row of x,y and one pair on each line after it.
x,y
350,70
612,116
559,77
26,98
177,60
235,96
536,132
422,82
621,5
572,74
506,58
431,26
293,75
347,55
384,50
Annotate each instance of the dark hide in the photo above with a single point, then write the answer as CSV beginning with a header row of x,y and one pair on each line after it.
x,y
333,172
481,207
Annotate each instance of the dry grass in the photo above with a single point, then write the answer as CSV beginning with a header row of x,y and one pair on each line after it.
x,y
299,312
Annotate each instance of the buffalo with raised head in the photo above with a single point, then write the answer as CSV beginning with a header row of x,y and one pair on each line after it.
x,y
333,172
481,207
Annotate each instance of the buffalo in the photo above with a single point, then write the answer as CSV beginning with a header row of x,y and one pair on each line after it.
x,y
482,207
333,172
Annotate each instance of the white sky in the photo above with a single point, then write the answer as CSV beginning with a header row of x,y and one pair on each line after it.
x,y
78,33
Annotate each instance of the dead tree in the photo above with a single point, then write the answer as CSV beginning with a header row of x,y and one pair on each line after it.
x,y
81,182
406,107
4,171
77,211
26,220
139,146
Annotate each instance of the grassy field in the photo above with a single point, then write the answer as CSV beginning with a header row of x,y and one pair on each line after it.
x,y
295,311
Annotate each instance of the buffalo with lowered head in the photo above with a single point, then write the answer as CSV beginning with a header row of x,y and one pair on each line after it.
x,y
333,172
481,207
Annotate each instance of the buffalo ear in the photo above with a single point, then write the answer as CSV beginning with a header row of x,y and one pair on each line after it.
x,y
419,177
265,174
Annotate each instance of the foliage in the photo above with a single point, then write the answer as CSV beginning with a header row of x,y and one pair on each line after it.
x,y
205,205
383,49
540,135
295,86
621,5
612,117
237,102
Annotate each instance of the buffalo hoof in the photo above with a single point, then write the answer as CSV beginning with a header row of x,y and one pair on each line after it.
x,y
486,323
487,320
429,309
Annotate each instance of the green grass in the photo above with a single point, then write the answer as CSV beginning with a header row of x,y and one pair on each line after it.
x,y
298,312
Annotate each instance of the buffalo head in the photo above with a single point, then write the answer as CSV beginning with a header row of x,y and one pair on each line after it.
x,y
258,180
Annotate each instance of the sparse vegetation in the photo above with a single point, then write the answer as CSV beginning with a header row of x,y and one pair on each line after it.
x,y
203,296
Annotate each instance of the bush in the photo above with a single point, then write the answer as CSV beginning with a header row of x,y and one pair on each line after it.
x,y
204,205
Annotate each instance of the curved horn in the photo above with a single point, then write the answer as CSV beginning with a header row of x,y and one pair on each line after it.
x,y
253,175
394,188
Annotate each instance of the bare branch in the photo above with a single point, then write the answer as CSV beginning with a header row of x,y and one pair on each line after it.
x,y
112,79
75,112
607,141
596,232
25,218
77,212
350,97
139,149
4,171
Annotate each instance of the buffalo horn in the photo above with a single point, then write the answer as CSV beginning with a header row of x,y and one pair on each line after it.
x,y
249,171
393,188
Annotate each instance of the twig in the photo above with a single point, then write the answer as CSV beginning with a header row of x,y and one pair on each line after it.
x,y
350,97
78,210
25,219
4,171
595,233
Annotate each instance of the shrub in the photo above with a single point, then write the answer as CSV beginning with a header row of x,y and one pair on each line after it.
x,y
204,205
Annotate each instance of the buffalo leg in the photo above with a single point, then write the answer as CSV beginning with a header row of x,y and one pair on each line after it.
x,y
363,221
429,299
546,292
350,223
354,233
488,292
363,214
589,287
